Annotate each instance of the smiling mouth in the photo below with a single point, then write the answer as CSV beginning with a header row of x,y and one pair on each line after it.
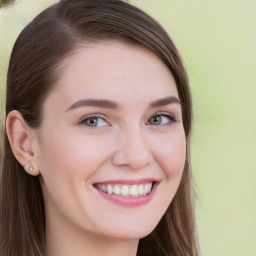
x,y
126,190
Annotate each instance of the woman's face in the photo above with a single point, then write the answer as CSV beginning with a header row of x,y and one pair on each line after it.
x,y
111,148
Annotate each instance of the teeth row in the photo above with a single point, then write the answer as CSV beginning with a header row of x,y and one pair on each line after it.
x,y
126,190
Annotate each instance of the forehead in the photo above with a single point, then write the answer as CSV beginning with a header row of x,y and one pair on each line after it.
x,y
113,69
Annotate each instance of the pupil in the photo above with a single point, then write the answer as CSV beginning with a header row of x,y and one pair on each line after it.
x,y
156,119
92,121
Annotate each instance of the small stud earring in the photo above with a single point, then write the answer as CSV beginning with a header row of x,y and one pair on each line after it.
x,y
29,168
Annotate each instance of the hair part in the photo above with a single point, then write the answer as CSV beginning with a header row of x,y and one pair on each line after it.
x,y
36,63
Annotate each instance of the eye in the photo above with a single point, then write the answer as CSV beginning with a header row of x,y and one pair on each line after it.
x,y
94,121
161,119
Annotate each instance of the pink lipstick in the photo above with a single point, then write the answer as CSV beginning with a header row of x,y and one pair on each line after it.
x,y
127,192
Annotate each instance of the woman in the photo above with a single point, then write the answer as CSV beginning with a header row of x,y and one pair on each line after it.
x,y
96,153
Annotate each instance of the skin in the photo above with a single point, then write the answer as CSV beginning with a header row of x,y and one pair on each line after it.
x,y
126,144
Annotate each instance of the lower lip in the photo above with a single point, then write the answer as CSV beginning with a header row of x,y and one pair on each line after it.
x,y
129,201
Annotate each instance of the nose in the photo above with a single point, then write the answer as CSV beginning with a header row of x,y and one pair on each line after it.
x,y
132,150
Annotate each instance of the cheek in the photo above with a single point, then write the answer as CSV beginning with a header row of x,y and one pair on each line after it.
x,y
71,155
171,155
67,163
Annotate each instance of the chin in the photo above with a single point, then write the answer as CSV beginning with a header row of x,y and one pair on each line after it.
x,y
129,232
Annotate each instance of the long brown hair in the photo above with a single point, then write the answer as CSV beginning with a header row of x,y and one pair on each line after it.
x,y
36,57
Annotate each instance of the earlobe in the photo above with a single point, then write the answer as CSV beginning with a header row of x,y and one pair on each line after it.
x,y
21,138
31,170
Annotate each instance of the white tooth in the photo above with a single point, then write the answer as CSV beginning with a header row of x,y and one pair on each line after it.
x,y
125,190
150,186
141,190
100,187
134,190
147,188
109,189
117,190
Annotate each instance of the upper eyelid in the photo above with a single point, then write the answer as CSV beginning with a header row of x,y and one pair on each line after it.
x,y
164,113
92,115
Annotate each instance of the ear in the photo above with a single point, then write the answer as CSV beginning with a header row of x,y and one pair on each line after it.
x,y
21,138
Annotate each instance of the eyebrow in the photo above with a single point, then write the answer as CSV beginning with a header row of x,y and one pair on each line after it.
x,y
109,104
165,101
102,103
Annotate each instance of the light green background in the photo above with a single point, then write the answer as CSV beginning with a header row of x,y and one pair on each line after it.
x,y
217,39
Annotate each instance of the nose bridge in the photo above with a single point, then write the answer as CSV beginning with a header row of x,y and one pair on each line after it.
x,y
133,149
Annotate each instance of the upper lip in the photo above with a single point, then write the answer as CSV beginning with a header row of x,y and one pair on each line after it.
x,y
130,182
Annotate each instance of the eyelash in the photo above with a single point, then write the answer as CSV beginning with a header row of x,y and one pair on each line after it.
x,y
169,116
99,116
